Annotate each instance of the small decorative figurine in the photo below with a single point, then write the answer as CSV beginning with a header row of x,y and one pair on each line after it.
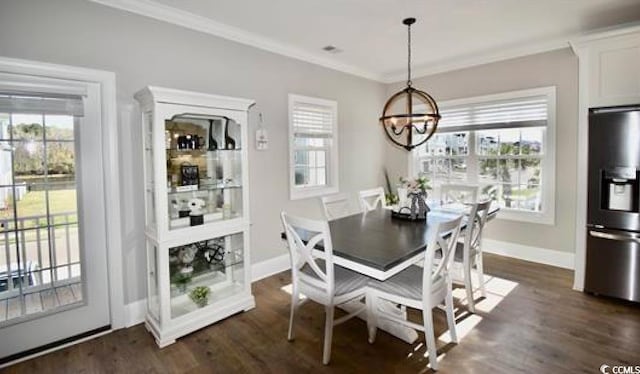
x,y
196,211
186,255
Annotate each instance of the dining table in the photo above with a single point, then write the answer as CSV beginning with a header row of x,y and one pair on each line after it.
x,y
379,245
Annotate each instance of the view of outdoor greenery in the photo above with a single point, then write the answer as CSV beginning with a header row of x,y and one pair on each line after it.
x,y
29,150
35,146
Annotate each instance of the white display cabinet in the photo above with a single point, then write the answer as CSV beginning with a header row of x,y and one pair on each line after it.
x,y
196,209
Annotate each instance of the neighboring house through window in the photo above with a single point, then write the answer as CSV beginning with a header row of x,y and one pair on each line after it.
x,y
313,146
505,143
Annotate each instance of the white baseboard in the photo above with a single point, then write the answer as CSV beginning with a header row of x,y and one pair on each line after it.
x,y
269,267
545,256
135,311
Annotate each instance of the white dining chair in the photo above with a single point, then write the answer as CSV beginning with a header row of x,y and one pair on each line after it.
x,y
458,193
336,206
468,253
420,288
315,276
371,199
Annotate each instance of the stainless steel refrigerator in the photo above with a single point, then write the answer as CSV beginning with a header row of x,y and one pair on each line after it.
x,y
613,214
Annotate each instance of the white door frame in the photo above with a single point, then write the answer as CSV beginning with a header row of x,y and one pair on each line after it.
x,y
109,128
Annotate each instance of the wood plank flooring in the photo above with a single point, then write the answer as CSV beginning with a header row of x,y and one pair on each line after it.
x,y
531,322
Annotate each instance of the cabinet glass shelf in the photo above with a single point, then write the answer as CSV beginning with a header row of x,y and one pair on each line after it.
x,y
215,265
182,305
197,152
204,169
203,187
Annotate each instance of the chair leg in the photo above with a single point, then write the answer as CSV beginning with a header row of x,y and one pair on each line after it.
x,y
450,316
294,308
429,336
328,334
468,287
372,323
480,270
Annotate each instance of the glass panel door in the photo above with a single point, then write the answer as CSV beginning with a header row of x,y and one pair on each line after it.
x,y
40,261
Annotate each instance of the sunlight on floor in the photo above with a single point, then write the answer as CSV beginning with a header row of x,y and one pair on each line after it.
x,y
288,289
463,328
497,290
425,356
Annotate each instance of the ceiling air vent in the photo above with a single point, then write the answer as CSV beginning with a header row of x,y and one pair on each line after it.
x,y
331,49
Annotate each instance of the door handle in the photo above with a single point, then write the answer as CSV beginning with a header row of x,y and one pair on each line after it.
x,y
619,237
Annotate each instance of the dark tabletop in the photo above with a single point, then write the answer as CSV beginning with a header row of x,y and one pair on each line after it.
x,y
377,240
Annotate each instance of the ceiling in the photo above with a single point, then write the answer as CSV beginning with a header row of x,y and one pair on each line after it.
x,y
448,34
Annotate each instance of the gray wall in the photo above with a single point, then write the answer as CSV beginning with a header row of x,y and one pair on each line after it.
x,y
557,68
144,52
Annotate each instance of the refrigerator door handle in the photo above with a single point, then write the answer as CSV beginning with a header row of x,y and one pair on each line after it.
x,y
624,237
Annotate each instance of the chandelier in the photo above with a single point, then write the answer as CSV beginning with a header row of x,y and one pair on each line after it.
x,y
402,126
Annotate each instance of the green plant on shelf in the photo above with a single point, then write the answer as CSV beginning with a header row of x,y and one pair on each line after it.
x,y
181,280
200,295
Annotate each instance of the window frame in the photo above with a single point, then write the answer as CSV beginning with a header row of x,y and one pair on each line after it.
x,y
331,162
547,160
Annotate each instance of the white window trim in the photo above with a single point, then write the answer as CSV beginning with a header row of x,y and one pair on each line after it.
x,y
298,193
547,215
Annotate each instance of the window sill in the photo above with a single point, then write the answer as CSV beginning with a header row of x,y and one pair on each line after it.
x,y
543,218
309,192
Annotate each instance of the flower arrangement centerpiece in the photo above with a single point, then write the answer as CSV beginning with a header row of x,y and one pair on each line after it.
x,y
412,194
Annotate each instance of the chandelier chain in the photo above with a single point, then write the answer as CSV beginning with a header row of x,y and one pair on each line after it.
x,y
409,55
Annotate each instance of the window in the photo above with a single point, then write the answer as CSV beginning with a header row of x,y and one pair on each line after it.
x,y
38,202
505,143
313,146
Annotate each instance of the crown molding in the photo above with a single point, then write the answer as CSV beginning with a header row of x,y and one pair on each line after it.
x,y
610,32
468,61
178,17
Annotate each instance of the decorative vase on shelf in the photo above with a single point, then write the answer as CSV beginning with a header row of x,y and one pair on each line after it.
x,y
186,255
213,145
229,143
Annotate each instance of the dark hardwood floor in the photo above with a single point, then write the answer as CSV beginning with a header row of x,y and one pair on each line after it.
x,y
531,322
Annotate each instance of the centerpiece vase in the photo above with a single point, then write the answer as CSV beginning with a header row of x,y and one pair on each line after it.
x,y
419,207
